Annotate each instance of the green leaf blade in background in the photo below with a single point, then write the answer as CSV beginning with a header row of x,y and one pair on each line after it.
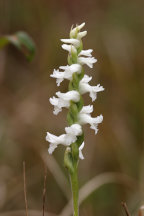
x,y
22,41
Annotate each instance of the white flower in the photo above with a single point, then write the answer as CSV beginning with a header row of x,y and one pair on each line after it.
x,y
75,32
85,118
89,61
69,48
84,87
86,53
67,73
72,41
65,139
63,100
76,29
80,151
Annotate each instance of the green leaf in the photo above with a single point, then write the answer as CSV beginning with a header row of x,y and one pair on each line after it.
x,y
21,41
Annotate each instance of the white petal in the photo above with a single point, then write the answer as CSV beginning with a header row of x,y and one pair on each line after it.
x,y
87,109
68,96
81,34
81,26
58,75
58,104
96,121
51,148
86,53
89,61
71,69
80,151
75,129
86,79
94,90
69,48
75,42
64,67
84,88
69,139
75,68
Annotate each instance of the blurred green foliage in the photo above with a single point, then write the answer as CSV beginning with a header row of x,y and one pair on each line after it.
x,y
21,41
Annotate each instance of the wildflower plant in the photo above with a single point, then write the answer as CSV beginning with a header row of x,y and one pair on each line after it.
x,y
78,114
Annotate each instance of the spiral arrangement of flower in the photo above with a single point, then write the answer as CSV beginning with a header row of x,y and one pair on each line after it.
x,y
78,114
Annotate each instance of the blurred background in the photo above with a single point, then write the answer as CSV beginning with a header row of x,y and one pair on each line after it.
x,y
116,34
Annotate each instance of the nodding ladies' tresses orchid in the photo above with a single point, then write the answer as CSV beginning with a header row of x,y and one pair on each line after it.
x,y
79,85
78,114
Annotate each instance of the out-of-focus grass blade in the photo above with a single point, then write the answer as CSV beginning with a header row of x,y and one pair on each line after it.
x,y
22,41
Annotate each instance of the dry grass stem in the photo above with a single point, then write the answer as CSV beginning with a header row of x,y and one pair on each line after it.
x,y
25,195
125,208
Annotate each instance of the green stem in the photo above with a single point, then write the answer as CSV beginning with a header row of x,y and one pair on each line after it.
x,y
74,187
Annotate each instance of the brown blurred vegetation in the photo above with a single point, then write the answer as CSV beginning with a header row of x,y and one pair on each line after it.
x,y
116,34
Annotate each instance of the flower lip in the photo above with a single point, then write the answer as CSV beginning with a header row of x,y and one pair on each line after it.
x,y
89,61
84,87
84,117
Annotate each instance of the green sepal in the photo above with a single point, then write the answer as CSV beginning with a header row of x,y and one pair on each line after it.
x,y
75,152
81,75
80,104
70,87
79,49
74,57
70,119
74,111
69,60
76,33
72,114
68,160
80,140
